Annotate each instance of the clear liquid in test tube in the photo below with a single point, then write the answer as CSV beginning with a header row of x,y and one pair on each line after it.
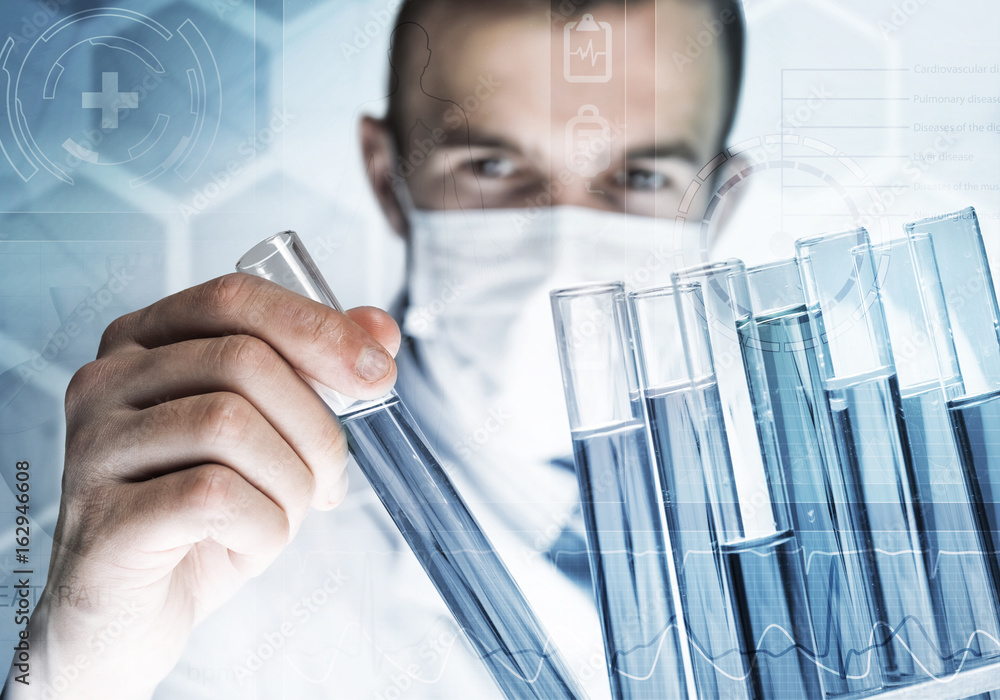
x,y
959,257
962,572
685,420
432,517
631,569
833,548
756,540
862,394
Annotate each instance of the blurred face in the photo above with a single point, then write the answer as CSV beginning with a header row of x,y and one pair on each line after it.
x,y
489,120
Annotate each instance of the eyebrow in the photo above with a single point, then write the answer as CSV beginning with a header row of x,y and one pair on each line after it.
x,y
675,149
479,139
678,149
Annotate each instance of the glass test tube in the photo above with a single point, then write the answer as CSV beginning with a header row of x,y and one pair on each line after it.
x,y
430,514
961,578
685,420
971,302
618,492
755,537
840,598
862,393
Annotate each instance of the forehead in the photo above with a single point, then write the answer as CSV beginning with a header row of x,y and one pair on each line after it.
x,y
505,70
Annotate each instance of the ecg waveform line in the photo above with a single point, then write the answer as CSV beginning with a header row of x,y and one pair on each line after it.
x,y
531,677
933,572
523,669
817,655
814,655
589,51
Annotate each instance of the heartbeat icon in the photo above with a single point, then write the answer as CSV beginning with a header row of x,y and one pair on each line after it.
x,y
585,35
583,53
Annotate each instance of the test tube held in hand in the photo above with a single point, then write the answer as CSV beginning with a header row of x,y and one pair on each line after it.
x,y
432,517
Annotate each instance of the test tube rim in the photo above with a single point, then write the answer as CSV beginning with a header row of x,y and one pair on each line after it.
x,y
802,243
899,241
588,289
283,237
706,269
960,214
764,267
664,290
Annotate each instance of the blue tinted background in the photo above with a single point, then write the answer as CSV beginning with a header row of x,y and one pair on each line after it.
x,y
246,124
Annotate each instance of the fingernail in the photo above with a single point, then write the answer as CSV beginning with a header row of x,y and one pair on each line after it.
x,y
338,491
373,364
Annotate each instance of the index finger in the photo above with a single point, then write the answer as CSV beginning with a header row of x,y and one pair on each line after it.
x,y
320,342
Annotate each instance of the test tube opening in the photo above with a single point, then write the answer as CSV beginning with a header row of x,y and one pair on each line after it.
x,y
283,259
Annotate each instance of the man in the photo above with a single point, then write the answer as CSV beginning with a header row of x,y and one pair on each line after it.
x,y
195,449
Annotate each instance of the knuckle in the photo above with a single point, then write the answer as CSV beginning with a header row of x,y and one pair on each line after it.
x,y
222,418
87,380
84,380
281,531
246,356
117,332
226,295
304,493
317,325
334,441
209,488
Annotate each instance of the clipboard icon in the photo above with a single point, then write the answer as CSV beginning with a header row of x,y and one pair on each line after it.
x,y
587,51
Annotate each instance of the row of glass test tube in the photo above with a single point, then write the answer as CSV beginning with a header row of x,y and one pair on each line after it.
x,y
790,473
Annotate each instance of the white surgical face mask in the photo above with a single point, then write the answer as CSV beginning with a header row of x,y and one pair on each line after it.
x,y
481,324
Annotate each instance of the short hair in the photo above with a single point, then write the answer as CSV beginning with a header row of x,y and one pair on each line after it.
x,y
413,11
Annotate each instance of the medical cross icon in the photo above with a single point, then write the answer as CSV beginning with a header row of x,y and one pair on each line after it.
x,y
109,100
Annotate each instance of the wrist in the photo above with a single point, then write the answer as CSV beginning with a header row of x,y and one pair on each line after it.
x,y
61,661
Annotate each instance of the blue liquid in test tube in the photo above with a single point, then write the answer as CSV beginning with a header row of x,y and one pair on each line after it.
x,y
862,392
833,547
757,545
630,566
430,514
974,321
685,420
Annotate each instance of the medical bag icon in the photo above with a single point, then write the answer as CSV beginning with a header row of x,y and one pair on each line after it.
x,y
588,142
587,51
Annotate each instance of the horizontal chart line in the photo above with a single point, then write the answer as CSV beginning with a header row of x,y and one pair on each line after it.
x,y
845,70
828,99
829,126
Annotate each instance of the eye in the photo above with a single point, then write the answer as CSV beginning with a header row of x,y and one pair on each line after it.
x,y
642,179
493,167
